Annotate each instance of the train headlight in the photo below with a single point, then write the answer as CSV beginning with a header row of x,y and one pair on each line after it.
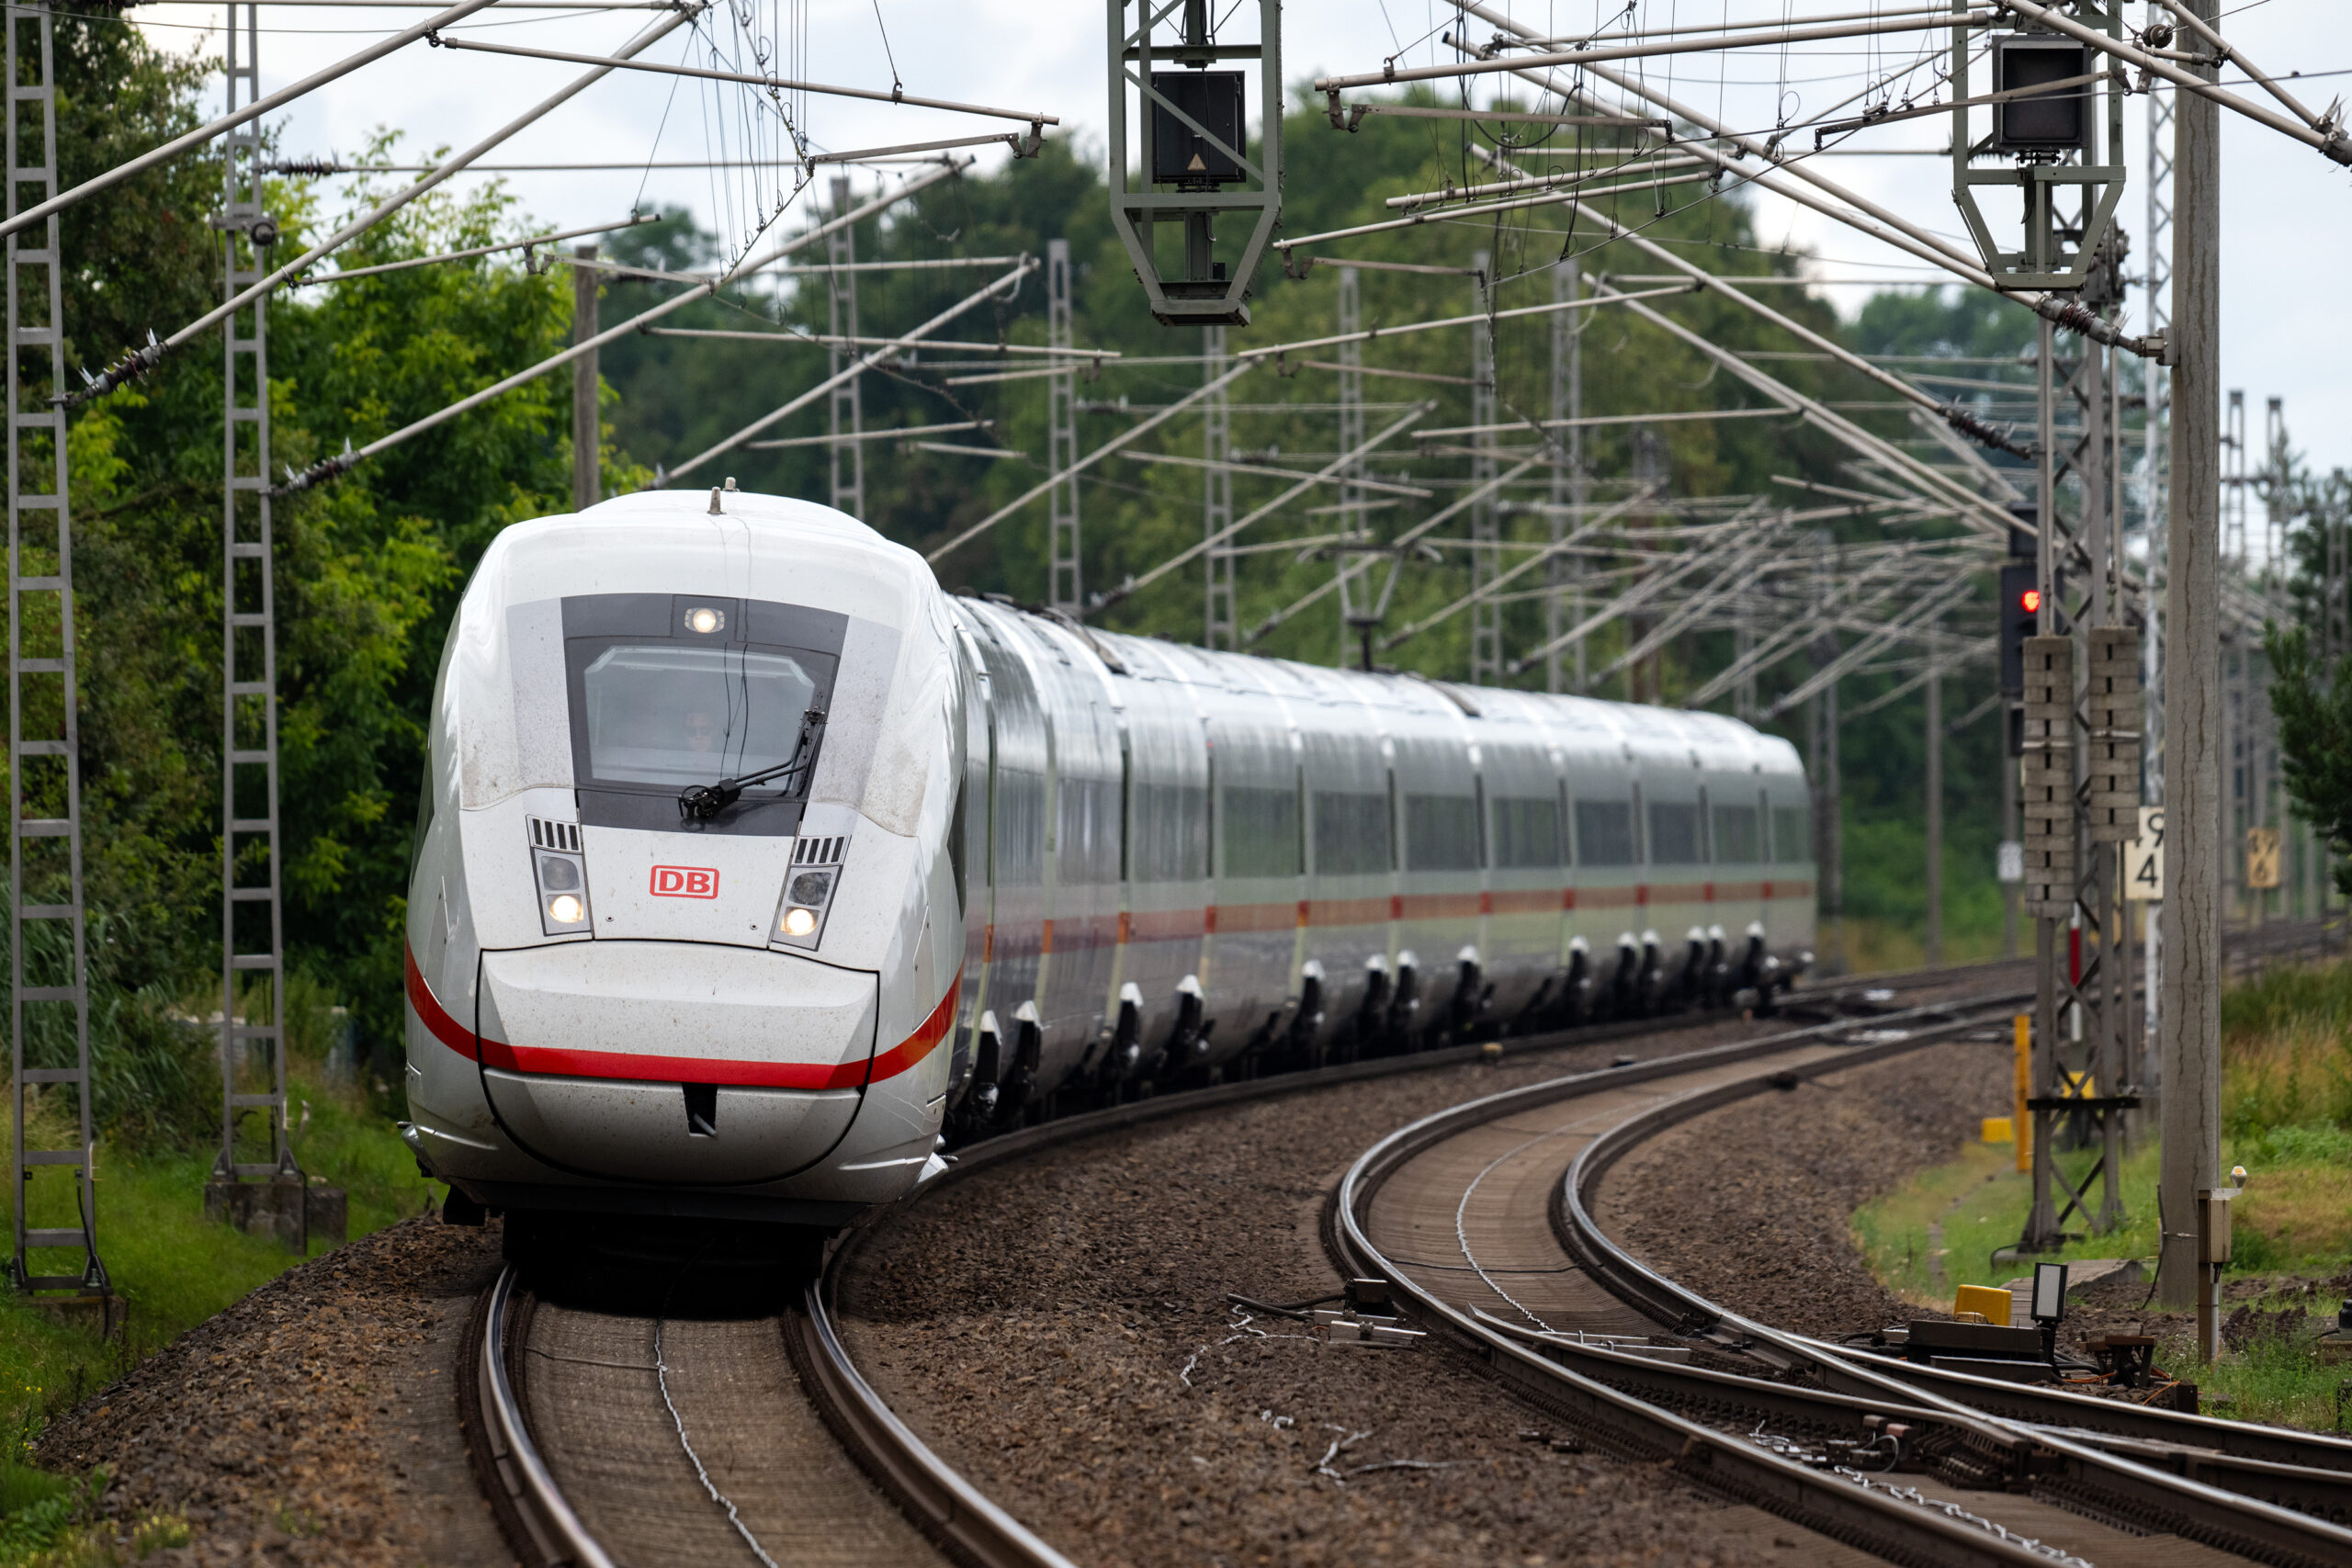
x,y
704,620
560,868
807,891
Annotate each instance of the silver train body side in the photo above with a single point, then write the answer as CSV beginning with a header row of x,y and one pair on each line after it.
x,y
1033,867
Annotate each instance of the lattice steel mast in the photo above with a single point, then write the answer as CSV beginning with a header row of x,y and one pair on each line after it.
x,y
252,918
1216,495
48,974
1066,589
1486,536
846,416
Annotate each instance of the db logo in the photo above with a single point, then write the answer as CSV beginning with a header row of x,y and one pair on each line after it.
x,y
685,881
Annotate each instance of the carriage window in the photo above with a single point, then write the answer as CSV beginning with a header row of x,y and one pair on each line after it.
x,y
1440,833
1792,834
669,715
1167,835
1605,832
1527,833
1674,834
1351,833
1735,836
1261,832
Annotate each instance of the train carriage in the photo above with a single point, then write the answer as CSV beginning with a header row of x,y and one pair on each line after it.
x,y
753,871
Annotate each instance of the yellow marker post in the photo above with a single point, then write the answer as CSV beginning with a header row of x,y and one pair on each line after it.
x,y
2020,1125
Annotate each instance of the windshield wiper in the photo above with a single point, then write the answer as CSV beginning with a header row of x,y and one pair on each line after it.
x,y
700,803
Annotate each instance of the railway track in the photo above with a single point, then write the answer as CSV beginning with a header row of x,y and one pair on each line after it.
x,y
608,1436
604,1434
1478,1215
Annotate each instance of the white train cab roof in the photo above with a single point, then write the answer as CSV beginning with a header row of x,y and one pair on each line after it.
x,y
501,708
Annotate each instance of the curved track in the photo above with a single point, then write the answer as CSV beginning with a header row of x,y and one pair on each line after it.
x,y
614,1437
611,1438
1478,1216
619,1437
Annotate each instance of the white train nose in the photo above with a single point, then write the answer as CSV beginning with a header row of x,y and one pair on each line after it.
x,y
674,1062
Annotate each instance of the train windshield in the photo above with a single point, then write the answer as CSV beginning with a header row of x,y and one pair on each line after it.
x,y
667,715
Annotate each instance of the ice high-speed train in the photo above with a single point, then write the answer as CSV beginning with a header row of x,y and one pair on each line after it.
x,y
753,870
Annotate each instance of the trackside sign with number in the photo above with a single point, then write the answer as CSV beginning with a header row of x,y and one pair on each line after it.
x,y
2143,858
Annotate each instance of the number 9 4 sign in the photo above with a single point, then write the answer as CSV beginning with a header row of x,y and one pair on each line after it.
x,y
2143,858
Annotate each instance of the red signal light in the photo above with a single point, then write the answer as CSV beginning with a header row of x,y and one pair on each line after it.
x,y
2031,601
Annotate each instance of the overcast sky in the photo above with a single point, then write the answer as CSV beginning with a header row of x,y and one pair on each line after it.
x,y
2287,212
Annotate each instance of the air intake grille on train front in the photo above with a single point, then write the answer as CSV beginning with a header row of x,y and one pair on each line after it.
x,y
546,835
820,851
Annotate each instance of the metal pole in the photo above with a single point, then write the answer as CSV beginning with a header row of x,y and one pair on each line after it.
x,y
2189,984
845,409
1065,588
1355,571
1217,494
2157,459
587,425
1935,941
1555,572
44,810
1486,536
2011,892
252,918
1579,473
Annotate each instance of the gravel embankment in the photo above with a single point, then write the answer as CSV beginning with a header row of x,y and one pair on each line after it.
x,y
315,1421
1059,1328
1750,1205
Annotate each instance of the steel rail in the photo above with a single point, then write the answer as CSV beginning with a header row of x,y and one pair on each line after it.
x,y
531,1497
2265,1494
1721,1460
531,1506
2260,1494
949,1510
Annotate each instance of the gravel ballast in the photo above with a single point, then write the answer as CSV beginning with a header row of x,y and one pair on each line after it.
x,y
315,1421
1752,1205
1057,1328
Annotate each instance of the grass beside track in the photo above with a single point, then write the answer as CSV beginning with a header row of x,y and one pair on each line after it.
x,y
176,1269
2287,1115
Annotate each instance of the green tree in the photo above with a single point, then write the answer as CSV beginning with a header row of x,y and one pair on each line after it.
x,y
367,568
2311,696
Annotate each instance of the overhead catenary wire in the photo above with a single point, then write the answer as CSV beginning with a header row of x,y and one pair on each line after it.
x,y
1337,466
342,462
342,274
1919,613
1737,576
1959,418
1912,22
1859,212
1090,460
1964,504
1409,539
1488,590
902,432
778,84
40,211
825,340
139,362
1180,460
1632,598
863,362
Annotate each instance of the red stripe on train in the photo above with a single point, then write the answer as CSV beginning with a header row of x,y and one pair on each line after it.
x,y
643,1067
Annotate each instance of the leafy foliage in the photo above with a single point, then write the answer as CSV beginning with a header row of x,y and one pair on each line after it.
x,y
369,568
2312,698
366,570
